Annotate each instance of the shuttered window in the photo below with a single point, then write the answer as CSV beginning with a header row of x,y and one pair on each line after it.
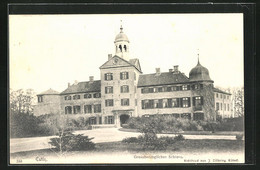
x,y
124,75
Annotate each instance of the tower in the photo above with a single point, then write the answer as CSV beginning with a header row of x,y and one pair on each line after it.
x,y
122,45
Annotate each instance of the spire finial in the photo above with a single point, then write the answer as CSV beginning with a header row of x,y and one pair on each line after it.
x,y
198,56
121,27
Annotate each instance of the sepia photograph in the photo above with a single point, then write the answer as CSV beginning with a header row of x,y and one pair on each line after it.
x,y
126,88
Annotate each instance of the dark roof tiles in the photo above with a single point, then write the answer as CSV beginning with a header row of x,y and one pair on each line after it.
x,y
83,87
162,79
49,92
220,91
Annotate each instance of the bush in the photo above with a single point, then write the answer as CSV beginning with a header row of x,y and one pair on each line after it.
x,y
130,140
239,136
168,140
179,138
70,142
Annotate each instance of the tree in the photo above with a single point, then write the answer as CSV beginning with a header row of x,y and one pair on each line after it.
x,y
21,101
238,100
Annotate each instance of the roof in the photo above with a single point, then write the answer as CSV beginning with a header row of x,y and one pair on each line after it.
x,y
199,73
220,91
83,87
162,79
121,36
136,63
49,92
122,63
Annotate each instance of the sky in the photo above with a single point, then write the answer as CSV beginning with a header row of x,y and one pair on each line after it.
x,y
50,51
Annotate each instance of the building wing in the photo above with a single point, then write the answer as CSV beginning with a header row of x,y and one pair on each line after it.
x,y
83,87
162,79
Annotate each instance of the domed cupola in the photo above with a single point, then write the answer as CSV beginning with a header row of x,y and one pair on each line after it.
x,y
121,36
122,45
199,73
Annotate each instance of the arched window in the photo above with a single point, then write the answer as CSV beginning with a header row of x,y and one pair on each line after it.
x,y
120,47
125,48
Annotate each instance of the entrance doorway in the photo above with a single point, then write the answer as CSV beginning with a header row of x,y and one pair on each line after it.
x,y
123,119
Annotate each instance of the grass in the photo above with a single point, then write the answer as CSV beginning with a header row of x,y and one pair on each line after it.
x,y
191,146
191,132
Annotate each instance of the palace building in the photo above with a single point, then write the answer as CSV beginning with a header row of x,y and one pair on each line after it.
x,y
124,91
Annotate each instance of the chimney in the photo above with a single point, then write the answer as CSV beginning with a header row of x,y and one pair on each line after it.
x,y
91,78
109,56
68,84
158,72
170,70
176,70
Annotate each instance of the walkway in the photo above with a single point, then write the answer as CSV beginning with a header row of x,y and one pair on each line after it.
x,y
100,136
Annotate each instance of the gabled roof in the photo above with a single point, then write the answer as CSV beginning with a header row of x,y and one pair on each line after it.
x,y
220,91
49,92
83,87
121,63
136,63
164,78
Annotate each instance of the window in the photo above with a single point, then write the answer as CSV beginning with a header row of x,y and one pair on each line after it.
x,y
186,115
217,95
228,107
176,115
97,108
156,103
100,120
186,102
224,96
175,102
97,95
40,99
165,103
160,89
145,90
124,75
124,102
168,89
92,120
220,106
87,96
198,101
108,89
135,102
185,87
147,104
67,97
221,96
198,116
68,110
108,76
76,109
217,106
109,120
75,97
224,107
109,102
124,89
88,109
151,90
